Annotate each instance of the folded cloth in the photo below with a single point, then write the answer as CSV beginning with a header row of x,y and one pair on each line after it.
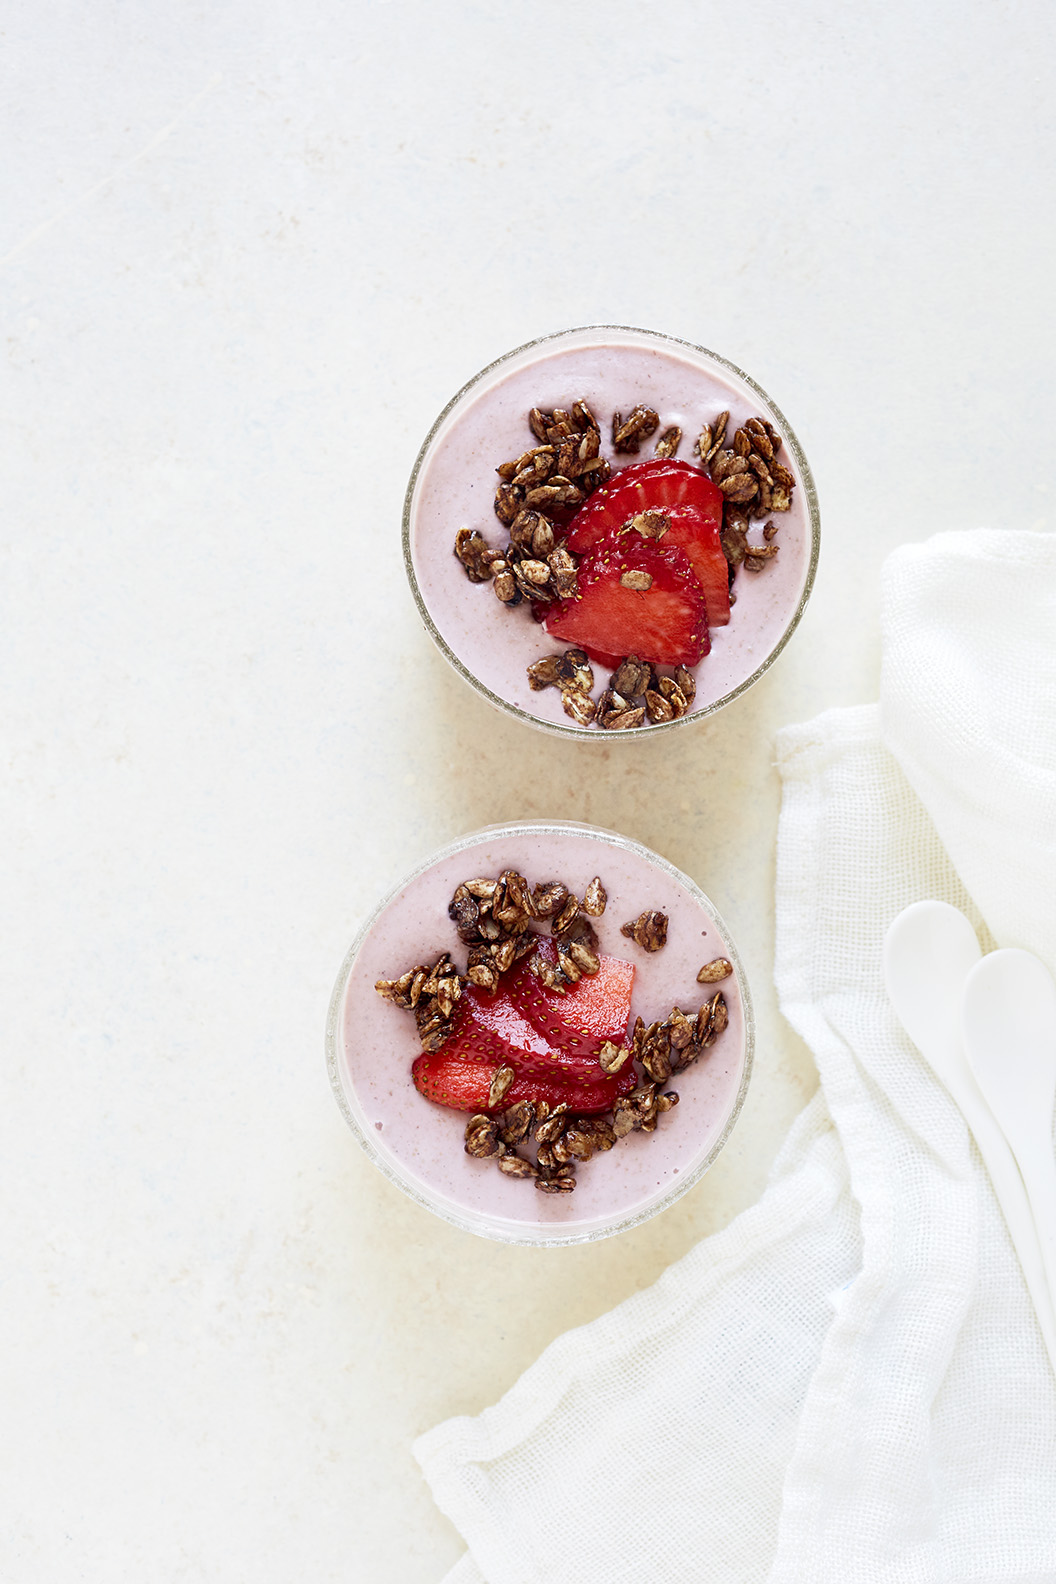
x,y
848,1383
970,654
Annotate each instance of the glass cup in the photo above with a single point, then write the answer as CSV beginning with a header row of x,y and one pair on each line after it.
x,y
452,486
418,1145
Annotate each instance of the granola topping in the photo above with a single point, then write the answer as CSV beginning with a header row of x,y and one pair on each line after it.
x,y
616,713
650,524
482,1137
549,898
613,1058
537,496
754,482
478,558
500,1087
499,919
627,434
569,670
668,442
648,930
712,972
516,1166
632,678
595,898
579,705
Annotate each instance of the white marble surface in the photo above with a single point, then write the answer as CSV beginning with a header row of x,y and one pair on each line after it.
x,y
249,251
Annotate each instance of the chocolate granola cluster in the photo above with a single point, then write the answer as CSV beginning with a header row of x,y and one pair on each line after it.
x,y
500,920
536,499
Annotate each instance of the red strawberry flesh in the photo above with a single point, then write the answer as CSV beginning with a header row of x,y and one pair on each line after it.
x,y
698,533
588,1013
693,505
491,1028
664,622
550,1041
643,486
498,1028
463,1084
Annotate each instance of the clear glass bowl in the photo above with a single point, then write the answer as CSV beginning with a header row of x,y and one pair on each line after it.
x,y
371,1044
453,486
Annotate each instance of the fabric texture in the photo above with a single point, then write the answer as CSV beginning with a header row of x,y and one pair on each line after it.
x,y
848,1384
969,711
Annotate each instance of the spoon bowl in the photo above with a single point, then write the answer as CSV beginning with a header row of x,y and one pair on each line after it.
x,y
929,950
1009,1030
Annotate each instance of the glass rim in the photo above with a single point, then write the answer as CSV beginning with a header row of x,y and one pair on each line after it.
x,y
582,733
538,1234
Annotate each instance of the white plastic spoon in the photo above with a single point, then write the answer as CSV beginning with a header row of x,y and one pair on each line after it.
x,y
929,951
1008,1023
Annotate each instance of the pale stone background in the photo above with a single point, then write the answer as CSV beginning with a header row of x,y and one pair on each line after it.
x,y
249,251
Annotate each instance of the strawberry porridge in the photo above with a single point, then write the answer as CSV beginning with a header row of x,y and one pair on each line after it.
x,y
604,496
543,1035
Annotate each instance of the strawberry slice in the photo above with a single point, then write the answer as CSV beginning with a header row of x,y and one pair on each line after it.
x,y
590,1012
463,1084
498,1029
491,1029
508,1027
643,486
693,505
635,597
698,533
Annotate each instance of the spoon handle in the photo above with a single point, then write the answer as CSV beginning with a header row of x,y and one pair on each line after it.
x,y
1008,1029
1015,1202
1039,1175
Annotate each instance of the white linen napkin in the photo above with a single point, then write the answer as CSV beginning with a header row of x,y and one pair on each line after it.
x,y
848,1384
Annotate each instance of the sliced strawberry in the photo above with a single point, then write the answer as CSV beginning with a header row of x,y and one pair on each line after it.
x,y
643,486
458,1082
693,505
463,1084
664,622
496,1028
698,533
491,1028
588,1013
